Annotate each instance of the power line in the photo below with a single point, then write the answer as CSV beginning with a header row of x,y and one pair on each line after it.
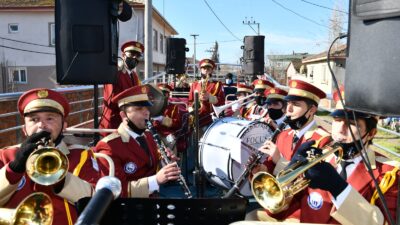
x,y
306,18
321,6
24,50
29,43
204,43
205,1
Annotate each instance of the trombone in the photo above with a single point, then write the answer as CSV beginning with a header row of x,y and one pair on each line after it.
x,y
219,109
35,209
275,194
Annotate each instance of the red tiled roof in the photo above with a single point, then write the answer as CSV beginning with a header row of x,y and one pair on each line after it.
x,y
26,3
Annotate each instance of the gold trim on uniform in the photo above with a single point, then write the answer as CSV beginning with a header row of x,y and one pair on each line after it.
x,y
133,48
276,96
40,103
303,93
42,94
131,99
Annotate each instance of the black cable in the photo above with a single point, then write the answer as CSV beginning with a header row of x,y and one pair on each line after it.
x,y
205,1
29,43
24,50
304,17
321,6
363,151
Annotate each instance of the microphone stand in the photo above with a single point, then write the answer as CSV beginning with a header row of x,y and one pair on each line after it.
x,y
198,176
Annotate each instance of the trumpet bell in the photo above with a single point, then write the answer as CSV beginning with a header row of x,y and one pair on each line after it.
x,y
36,209
47,166
268,192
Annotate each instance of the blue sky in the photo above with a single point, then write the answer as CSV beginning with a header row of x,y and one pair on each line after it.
x,y
284,31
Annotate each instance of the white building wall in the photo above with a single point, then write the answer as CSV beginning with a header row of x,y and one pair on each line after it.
x,y
33,28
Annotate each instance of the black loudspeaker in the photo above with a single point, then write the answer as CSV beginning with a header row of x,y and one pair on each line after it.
x,y
253,55
86,41
176,56
373,64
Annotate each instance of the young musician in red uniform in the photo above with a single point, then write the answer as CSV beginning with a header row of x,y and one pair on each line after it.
x,y
126,78
169,122
276,106
258,110
45,112
345,193
210,94
302,104
239,109
133,149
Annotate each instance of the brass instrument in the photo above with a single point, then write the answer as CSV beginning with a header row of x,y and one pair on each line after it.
x,y
47,165
275,194
36,209
219,109
203,89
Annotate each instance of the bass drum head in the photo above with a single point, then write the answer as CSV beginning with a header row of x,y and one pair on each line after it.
x,y
215,145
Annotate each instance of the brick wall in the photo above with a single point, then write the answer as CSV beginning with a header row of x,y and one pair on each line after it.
x,y
13,137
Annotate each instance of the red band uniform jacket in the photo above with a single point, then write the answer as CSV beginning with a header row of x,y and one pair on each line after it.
x,y
110,116
132,164
14,187
217,98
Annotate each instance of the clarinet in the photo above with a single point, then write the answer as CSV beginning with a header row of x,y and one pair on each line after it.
x,y
161,148
254,159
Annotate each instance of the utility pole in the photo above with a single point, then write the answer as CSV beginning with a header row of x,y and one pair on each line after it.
x,y
194,54
252,22
148,38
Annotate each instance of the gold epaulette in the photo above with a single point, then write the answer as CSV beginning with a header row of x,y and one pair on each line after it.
x,y
110,137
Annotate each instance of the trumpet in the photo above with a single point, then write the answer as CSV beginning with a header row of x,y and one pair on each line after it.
x,y
275,194
219,109
47,165
37,208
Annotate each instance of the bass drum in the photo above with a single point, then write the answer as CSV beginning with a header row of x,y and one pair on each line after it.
x,y
214,150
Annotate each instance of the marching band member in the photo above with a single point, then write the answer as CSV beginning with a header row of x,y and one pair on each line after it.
x,y
276,106
345,193
230,88
45,112
241,108
133,149
169,122
210,93
126,78
302,104
257,111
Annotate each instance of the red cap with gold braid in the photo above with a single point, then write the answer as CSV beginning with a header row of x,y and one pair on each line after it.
x,y
339,111
42,100
244,88
275,93
136,96
206,62
262,84
300,90
133,46
164,87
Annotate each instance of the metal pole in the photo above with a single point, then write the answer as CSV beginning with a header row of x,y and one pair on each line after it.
x,y
148,37
194,54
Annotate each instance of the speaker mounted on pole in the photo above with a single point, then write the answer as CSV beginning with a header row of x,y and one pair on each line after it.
x,y
372,79
176,55
253,55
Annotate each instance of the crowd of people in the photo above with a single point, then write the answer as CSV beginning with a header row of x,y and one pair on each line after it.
x,y
339,191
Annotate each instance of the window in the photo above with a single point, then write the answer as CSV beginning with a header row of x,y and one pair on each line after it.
x,y
13,28
161,43
311,73
52,34
18,75
155,40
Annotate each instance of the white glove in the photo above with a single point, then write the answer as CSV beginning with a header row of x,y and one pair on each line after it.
x,y
235,107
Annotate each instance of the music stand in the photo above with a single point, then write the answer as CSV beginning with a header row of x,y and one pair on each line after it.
x,y
145,211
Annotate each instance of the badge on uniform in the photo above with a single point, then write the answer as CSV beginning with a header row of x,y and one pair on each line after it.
x,y
130,167
315,200
21,183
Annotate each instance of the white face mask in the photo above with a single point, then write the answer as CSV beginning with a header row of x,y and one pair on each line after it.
x,y
228,81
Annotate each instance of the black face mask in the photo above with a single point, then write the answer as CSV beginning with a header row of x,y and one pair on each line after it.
x,y
275,113
350,149
131,63
260,100
134,128
299,122
204,76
